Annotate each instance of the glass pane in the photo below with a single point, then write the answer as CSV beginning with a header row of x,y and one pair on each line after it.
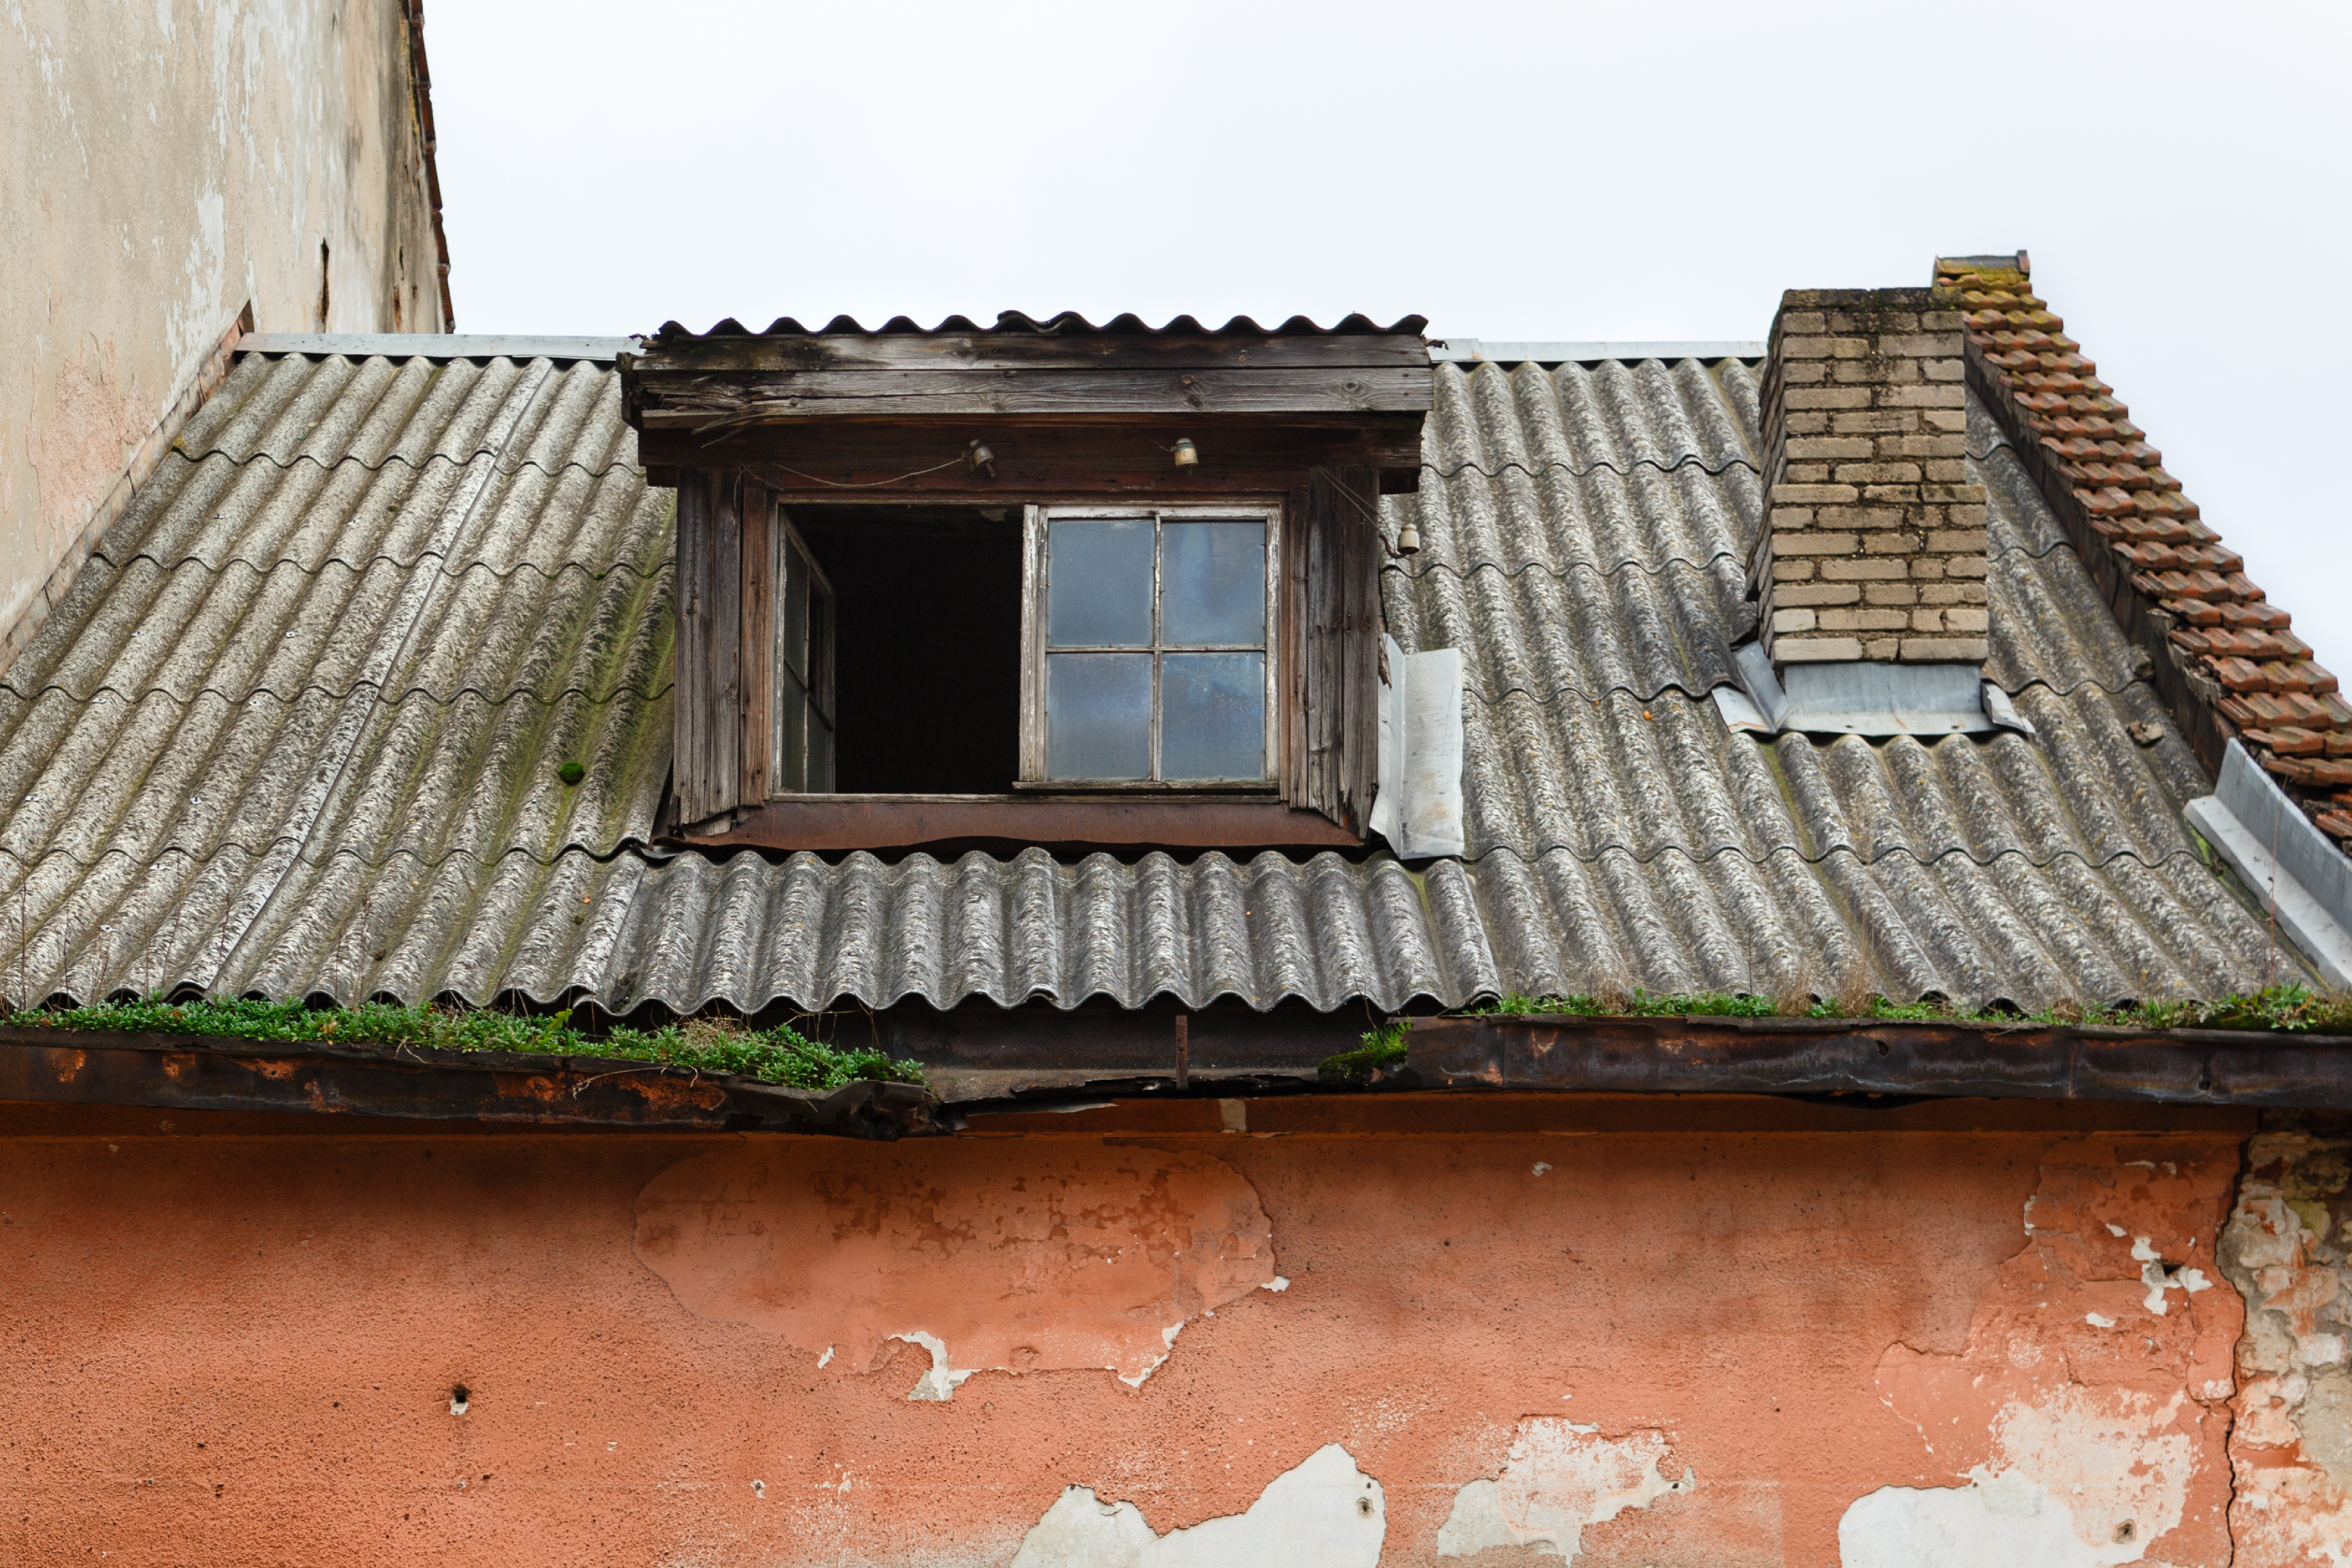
x,y
820,754
1212,716
794,623
792,733
1099,588
1211,582
1098,716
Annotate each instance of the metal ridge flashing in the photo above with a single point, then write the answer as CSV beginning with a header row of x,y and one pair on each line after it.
x,y
2302,880
1477,351
433,345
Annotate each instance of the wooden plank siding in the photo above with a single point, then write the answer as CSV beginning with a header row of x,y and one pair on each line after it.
x,y
1338,690
756,637
701,402
709,732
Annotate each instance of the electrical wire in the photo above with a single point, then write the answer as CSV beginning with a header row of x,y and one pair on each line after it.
x,y
867,485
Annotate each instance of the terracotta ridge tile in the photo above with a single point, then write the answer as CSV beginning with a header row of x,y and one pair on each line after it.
x,y
2209,617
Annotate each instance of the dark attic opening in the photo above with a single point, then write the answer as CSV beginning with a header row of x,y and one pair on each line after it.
x,y
925,629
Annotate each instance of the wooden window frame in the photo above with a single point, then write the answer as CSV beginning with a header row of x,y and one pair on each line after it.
x,y
821,660
1037,519
1324,644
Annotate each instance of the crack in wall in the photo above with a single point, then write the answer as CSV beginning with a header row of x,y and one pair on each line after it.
x,y
990,1258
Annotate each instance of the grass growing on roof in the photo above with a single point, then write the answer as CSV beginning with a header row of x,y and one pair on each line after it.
x,y
2293,1008
782,1055
1383,1046
1641,1005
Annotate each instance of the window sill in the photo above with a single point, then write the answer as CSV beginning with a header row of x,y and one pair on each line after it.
x,y
1162,818
1031,789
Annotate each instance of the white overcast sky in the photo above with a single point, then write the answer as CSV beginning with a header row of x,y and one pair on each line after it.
x,y
1562,172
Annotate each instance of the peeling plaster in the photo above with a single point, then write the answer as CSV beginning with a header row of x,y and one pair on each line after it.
x,y
2085,1421
996,1258
1325,1513
2160,1276
942,1381
1559,1477
2078,1481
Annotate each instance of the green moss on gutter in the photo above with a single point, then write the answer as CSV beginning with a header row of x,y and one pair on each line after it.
x,y
2292,1009
781,1054
1382,1048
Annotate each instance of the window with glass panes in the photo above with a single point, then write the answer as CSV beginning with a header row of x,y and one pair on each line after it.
x,y
804,679
1151,658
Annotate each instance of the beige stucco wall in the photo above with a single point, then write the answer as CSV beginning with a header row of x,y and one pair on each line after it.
x,y
167,163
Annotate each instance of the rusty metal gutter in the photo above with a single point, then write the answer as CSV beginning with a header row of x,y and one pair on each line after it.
x,y
90,1067
1871,1061
1840,1056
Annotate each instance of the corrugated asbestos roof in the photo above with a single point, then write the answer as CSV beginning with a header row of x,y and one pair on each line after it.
x,y
1065,324
296,732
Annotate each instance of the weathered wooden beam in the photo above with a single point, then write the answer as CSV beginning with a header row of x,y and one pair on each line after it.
x,y
700,400
1042,460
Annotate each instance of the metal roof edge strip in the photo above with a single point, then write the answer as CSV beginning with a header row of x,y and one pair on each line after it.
x,y
2290,868
433,345
1477,351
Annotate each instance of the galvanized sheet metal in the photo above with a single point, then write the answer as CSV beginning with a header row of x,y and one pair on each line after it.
x,y
294,733
433,345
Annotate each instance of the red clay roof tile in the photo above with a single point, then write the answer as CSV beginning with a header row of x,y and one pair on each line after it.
x,y
2209,617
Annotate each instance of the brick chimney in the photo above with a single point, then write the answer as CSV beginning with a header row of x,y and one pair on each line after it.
x,y
1874,542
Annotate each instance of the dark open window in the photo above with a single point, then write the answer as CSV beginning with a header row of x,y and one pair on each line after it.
x,y
926,639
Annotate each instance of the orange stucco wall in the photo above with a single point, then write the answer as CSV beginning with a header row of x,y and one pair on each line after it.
x,y
1670,1331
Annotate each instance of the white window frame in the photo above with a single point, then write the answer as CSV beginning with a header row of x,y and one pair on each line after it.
x,y
1034,533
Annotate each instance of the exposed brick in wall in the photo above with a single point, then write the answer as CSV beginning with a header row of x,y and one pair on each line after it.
x,y
2291,1446
2225,659
1876,542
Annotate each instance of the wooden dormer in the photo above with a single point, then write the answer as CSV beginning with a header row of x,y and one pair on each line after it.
x,y
869,650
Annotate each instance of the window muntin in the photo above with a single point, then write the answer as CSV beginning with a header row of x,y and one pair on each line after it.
x,y
804,715
1153,665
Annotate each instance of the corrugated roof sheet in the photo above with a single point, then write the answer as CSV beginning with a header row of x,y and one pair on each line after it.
x,y
295,731
1065,324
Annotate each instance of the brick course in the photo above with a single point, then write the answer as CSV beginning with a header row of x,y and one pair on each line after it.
x,y
1866,482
